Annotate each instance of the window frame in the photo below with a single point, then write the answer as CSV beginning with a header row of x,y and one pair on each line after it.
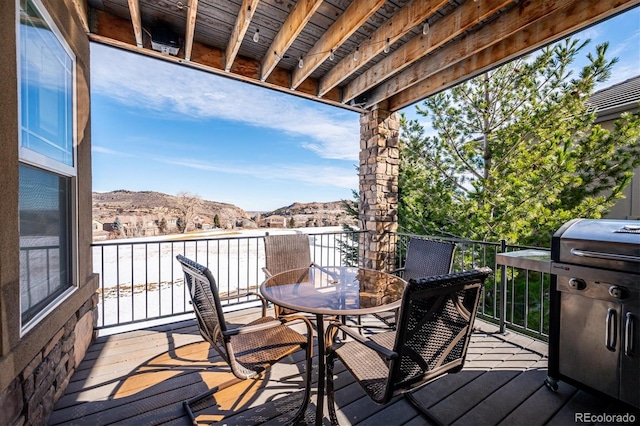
x,y
37,160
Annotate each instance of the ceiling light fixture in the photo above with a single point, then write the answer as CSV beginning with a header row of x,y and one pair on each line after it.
x,y
300,62
331,55
425,28
387,45
256,35
356,54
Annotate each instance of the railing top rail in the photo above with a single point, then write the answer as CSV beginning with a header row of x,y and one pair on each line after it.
x,y
146,241
468,241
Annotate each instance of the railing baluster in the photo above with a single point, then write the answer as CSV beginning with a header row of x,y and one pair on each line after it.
x,y
503,289
246,255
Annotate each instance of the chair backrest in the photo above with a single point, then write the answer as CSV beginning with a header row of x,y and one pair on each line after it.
x,y
285,252
427,257
206,304
435,324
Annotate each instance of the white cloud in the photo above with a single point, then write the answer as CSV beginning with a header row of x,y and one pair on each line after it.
x,y
109,151
316,175
164,87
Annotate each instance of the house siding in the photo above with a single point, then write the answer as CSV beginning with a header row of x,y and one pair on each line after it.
x,y
609,103
36,367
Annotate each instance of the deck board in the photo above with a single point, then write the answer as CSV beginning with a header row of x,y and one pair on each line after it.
x,y
141,377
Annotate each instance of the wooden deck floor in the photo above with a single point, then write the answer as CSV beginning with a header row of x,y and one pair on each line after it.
x,y
141,377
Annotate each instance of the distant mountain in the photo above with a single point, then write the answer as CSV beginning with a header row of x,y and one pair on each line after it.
x,y
315,214
150,203
141,212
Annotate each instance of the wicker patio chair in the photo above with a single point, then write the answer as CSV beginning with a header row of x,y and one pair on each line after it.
x,y
283,253
435,324
425,258
250,349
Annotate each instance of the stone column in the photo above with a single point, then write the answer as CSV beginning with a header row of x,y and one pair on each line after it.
x,y
379,166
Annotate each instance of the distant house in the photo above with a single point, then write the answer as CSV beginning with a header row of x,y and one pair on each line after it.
x,y
204,223
274,221
98,232
136,226
609,103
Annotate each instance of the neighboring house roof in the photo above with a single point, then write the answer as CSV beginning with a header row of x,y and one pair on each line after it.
x,y
610,102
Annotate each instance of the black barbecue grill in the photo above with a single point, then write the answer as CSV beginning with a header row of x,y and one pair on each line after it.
x,y
594,331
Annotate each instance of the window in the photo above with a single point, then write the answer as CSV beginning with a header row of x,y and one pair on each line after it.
x,y
47,169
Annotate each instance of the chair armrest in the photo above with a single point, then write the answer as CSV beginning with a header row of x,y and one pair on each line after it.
x,y
266,272
396,271
325,270
294,318
249,293
387,353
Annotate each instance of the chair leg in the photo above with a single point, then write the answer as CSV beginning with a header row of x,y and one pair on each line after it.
x,y
299,416
187,403
428,414
330,397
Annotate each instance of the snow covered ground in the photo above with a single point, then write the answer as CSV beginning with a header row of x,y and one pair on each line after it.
x,y
140,278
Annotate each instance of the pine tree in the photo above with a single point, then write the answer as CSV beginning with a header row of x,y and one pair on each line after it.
x,y
119,228
516,152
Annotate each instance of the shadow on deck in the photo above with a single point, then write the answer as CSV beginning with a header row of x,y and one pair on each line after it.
x,y
142,377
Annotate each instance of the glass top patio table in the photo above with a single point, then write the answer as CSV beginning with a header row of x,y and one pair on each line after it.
x,y
336,291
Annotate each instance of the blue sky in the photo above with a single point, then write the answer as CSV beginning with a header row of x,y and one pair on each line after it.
x,y
161,127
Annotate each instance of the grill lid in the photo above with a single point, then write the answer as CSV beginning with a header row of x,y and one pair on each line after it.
x,y
604,243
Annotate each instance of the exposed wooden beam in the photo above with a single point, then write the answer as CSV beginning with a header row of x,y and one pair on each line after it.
x,y
574,16
460,20
397,26
347,23
116,32
510,22
136,21
81,10
245,14
296,21
192,12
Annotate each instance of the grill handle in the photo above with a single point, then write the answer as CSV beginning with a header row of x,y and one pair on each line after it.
x,y
628,331
608,256
611,325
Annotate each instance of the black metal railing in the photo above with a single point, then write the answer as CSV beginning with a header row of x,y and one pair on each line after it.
x,y
519,302
140,281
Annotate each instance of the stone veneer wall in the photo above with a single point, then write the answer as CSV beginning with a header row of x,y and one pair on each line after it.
x,y
29,399
379,168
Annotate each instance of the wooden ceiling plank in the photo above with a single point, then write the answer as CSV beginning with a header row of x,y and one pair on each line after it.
x,y
508,23
245,14
450,26
574,16
192,13
293,25
344,26
396,27
136,21
113,31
